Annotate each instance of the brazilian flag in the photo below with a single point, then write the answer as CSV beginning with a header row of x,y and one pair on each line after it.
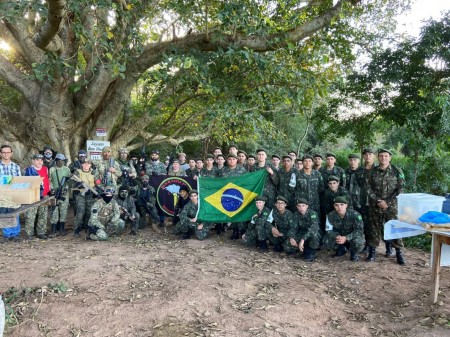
x,y
229,199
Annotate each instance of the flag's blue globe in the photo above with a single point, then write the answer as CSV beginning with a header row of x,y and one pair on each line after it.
x,y
232,199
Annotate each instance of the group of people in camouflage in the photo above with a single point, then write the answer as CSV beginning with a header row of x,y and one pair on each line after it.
x,y
304,205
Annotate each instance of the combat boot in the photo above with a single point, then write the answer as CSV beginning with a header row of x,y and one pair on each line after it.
x,y
309,254
133,232
341,251
186,235
400,258
278,248
235,235
389,252
372,254
76,232
365,249
353,256
263,245
219,228
54,230
42,236
62,230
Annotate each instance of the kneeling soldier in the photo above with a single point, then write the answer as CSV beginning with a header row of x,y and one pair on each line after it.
x,y
304,234
188,220
257,228
105,217
347,231
128,209
282,222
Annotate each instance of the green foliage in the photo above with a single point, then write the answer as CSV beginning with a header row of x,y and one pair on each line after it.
x,y
421,242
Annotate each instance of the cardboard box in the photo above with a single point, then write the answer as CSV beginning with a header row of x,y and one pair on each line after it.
x,y
411,206
23,190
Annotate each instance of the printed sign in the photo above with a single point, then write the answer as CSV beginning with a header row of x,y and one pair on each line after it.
x,y
95,155
96,145
100,132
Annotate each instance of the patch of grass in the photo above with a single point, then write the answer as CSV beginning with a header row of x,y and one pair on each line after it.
x,y
421,242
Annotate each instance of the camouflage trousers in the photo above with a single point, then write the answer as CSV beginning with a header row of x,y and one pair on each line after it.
x,y
203,233
83,205
102,233
59,212
276,240
313,242
30,217
254,234
151,211
242,226
375,230
356,244
134,225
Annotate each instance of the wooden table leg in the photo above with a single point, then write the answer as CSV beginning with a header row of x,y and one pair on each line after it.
x,y
438,240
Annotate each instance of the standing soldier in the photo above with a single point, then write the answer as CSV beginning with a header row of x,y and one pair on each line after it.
x,y
276,161
330,194
38,169
105,217
85,195
128,170
234,170
146,201
108,169
220,161
76,164
309,184
155,167
317,159
128,209
250,165
354,184
49,156
287,181
59,179
176,169
385,182
190,172
282,222
347,231
258,226
272,180
242,158
209,170
304,235
332,170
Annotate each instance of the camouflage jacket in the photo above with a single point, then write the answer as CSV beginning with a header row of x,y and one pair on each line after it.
x,y
213,173
309,187
354,183
304,226
108,178
351,225
385,185
189,212
103,213
128,167
272,180
155,168
259,220
128,204
329,196
283,187
335,171
146,195
180,173
238,171
282,222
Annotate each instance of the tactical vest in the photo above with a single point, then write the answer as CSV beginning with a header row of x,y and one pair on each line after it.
x,y
104,214
87,177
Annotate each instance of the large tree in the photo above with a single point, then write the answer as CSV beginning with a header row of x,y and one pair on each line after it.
x,y
76,65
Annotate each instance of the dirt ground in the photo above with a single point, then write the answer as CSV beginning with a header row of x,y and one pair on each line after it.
x,y
156,285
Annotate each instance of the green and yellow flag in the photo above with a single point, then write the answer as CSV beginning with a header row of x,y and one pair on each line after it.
x,y
229,199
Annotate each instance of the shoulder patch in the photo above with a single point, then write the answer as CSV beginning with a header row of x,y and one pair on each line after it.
x,y
313,216
359,217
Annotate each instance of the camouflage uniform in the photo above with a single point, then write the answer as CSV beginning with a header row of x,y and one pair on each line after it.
x,y
145,202
362,174
59,212
351,226
30,217
271,184
108,178
127,168
257,228
335,171
180,173
105,220
185,225
128,204
191,173
283,187
213,173
329,196
282,222
355,186
304,227
155,168
383,185
309,187
84,199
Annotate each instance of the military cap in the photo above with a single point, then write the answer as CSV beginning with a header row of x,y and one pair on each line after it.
x,y
155,151
145,177
353,155
302,201
281,198
241,151
298,160
330,154
232,156
123,188
384,151
217,148
184,188
275,156
220,155
261,198
198,159
340,200
333,178
287,157
368,150
260,150
123,150
193,192
209,156
60,156
106,149
82,153
251,156
307,156
231,146
38,156
317,155
175,161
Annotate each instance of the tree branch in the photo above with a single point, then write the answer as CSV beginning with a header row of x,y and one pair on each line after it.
x,y
18,80
47,38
